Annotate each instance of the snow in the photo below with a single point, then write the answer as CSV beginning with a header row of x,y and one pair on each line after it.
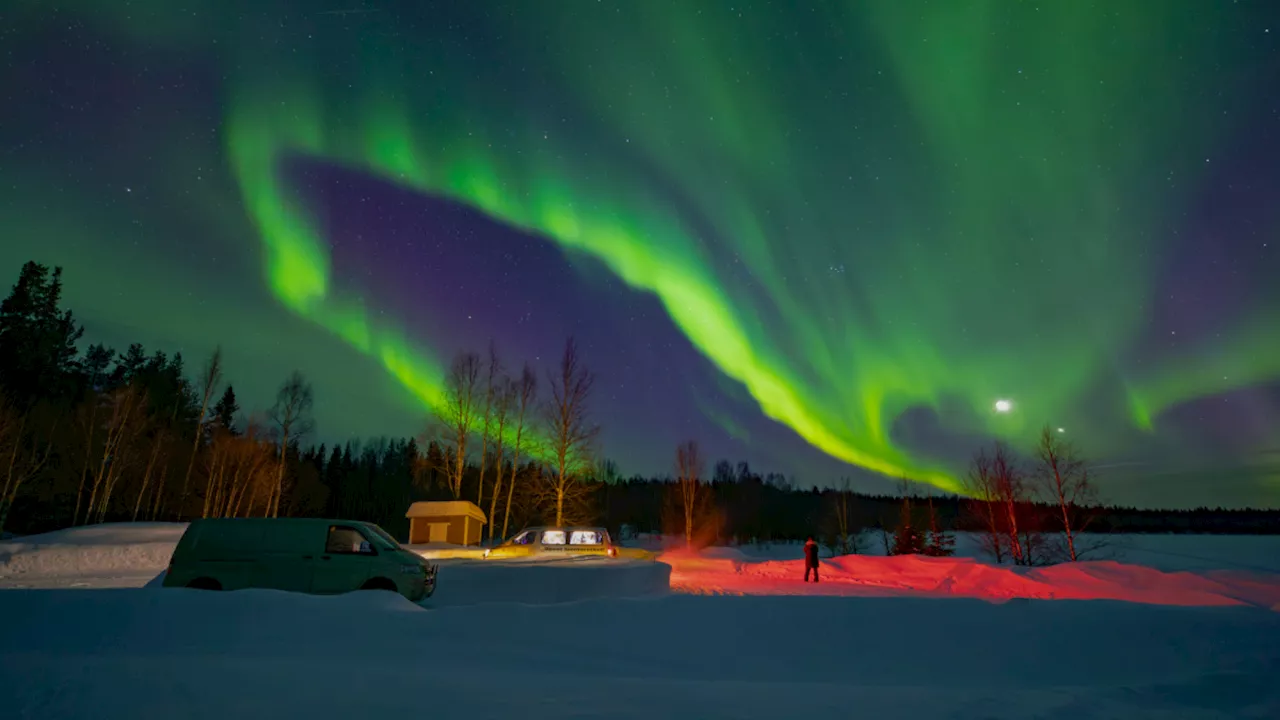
x,y
563,580
441,551
590,637
108,555
1163,551
181,653
862,575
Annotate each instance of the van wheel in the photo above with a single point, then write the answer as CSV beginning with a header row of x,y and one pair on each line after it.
x,y
204,583
380,584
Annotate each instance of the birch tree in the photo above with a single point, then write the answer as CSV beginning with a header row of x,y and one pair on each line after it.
x,y
503,397
980,486
209,380
154,459
121,424
24,453
459,416
846,539
157,462
486,425
689,467
526,395
1062,475
238,465
87,421
291,416
569,436
1011,494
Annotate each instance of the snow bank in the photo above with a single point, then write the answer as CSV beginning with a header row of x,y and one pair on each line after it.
x,y
137,554
721,571
1164,551
113,553
110,654
444,551
490,581
131,554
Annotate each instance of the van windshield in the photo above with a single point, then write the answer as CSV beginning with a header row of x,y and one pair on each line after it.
x,y
382,538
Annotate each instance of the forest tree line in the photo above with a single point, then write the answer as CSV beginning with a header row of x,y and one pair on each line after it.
x,y
102,435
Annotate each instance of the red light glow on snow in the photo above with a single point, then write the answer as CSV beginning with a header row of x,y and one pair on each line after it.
x,y
863,575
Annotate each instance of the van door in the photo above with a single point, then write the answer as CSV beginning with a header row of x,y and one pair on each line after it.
x,y
286,556
346,562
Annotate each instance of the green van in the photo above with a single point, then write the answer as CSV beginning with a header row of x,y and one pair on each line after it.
x,y
297,554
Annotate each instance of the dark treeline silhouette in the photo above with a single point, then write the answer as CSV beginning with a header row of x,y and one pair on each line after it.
x,y
768,508
102,435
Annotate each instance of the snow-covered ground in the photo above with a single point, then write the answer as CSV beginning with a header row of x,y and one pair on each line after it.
x,y
599,638
108,654
110,555
724,570
1171,552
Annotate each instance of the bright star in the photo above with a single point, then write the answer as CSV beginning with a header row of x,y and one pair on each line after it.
x,y
1003,406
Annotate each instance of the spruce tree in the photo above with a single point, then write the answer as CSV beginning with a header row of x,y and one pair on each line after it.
x,y
97,358
939,543
907,539
38,358
224,413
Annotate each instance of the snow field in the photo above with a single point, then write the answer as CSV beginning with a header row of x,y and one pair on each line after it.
x,y
586,638
965,577
178,653
472,582
110,555
133,554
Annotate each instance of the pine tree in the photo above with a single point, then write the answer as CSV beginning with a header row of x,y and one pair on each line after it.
x,y
224,413
907,539
38,356
129,365
939,543
97,358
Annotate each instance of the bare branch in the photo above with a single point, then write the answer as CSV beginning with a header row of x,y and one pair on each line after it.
x,y
689,467
1063,476
458,414
209,380
291,416
570,435
526,394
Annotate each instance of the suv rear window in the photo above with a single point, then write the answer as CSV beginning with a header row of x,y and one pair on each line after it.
x,y
585,537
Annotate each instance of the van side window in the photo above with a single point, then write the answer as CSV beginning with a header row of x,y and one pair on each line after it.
x,y
523,538
347,540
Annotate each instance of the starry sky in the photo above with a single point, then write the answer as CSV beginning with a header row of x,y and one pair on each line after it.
x,y
824,238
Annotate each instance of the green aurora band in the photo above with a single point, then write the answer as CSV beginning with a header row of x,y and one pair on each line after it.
x,y
920,207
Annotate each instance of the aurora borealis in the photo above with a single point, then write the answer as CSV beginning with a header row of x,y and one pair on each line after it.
x,y
826,240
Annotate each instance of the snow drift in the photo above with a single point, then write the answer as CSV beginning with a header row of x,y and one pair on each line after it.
x,y
485,581
113,554
112,654
136,555
541,640
722,570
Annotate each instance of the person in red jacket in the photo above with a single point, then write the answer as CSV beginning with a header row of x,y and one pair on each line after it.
x,y
810,559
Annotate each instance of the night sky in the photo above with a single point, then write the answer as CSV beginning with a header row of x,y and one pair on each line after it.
x,y
826,240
